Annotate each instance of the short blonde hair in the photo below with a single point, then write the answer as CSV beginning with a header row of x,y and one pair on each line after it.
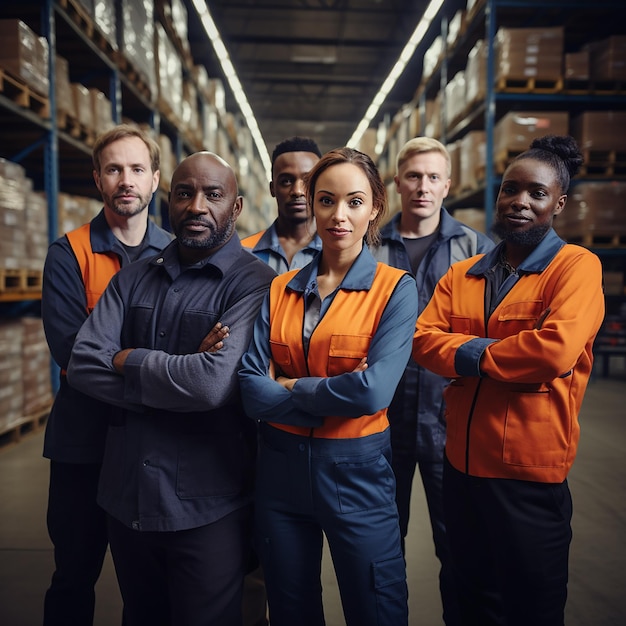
x,y
419,145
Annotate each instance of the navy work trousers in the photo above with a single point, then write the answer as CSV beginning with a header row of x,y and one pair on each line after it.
x,y
510,544
343,489
185,578
78,531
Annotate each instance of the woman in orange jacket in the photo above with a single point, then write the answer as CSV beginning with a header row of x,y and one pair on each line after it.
x,y
328,350
514,329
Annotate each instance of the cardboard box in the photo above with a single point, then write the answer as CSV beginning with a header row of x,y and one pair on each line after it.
x,y
524,53
593,208
476,74
24,55
607,58
577,65
515,131
474,218
472,157
600,130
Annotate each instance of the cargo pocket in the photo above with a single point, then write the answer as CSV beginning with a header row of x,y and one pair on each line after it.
x,y
389,578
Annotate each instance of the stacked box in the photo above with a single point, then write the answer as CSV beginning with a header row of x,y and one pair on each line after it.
x,y
36,225
474,218
432,56
11,387
190,116
476,74
175,12
577,65
472,159
455,99
12,223
63,91
593,208
515,130
456,27
37,388
101,111
523,53
24,54
105,20
74,211
607,58
454,150
81,99
168,161
135,29
433,116
600,130
169,75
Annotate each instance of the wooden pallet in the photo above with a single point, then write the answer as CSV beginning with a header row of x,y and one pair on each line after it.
x,y
597,240
133,74
79,15
604,163
594,87
529,85
27,425
24,96
20,280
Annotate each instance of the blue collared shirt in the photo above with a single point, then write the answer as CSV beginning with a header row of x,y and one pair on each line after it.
x,y
269,250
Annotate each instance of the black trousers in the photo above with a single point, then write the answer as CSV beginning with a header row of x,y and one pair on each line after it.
x,y
509,541
187,578
77,529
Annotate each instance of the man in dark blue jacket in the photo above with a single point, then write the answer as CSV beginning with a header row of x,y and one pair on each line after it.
x,y
78,267
178,465
424,240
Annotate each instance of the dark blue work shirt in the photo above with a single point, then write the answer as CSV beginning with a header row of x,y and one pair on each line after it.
x,y
179,451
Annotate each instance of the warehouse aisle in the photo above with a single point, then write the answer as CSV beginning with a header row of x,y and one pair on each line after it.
x,y
598,555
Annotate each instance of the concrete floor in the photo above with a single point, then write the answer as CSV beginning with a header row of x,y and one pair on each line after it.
x,y
597,558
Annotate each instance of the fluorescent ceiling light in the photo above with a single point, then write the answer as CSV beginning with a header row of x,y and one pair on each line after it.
x,y
396,71
233,81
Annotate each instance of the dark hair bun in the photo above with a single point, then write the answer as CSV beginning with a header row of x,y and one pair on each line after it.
x,y
563,146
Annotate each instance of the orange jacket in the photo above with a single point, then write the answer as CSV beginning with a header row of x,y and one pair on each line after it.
x,y
512,408
97,269
252,240
338,343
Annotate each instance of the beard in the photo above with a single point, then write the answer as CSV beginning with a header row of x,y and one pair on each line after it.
x,y
215,239
529,238
124,209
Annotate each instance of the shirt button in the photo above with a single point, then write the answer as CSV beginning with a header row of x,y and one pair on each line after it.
x,y
146,462
301,447
162,333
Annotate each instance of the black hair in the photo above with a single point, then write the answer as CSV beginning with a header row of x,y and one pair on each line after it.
x,y
561,152
295,144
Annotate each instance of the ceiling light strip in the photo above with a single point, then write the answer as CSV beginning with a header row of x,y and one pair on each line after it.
x,y
234,83
396,71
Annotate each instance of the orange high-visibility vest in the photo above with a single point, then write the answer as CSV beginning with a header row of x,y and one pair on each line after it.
x,y
252,240
340,340
97,268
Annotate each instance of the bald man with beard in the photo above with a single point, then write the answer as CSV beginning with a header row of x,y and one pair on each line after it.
x,y
178,465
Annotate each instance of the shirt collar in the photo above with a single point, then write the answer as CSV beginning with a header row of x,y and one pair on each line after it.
x,y
534,263
359,277
269,241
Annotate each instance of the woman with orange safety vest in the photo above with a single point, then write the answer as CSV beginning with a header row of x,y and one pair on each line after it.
x,y
329,348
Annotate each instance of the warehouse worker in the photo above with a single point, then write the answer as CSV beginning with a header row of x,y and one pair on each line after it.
x,y
78,267
178,464
291,241
425,240
514,329
328,350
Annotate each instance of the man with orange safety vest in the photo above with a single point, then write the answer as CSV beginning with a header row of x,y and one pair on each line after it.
x,y
78,268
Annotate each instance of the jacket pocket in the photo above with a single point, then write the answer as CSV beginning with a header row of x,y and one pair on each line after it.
x,y
533,435
345,352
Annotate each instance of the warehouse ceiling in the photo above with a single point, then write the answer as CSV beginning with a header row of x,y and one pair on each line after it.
x,y
312,67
